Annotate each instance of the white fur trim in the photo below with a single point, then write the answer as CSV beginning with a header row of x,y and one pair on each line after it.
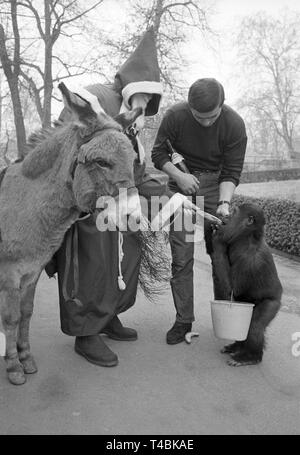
x,y
140,87
92,99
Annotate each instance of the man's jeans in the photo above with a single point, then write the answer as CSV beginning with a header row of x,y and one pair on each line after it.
x,y
182,283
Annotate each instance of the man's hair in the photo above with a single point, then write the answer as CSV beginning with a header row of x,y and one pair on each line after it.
x,y
206,94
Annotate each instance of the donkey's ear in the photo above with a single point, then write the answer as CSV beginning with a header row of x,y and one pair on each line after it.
x,y
128,118
77,105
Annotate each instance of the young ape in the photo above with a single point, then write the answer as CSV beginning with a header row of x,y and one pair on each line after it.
x,y
244,269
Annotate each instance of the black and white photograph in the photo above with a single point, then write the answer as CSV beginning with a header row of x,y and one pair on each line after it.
x,y
149,220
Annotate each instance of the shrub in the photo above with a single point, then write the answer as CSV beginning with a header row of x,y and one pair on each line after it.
x,y
282,222
270,175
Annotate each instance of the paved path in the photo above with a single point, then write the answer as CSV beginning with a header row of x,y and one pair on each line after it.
x,y
156,388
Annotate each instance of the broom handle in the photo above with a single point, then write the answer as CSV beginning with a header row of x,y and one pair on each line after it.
x,y
206,215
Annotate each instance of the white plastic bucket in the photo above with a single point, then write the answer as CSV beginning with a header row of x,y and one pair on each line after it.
x,y
2,344
231,320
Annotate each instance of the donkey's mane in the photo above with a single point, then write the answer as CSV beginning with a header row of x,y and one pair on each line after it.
x,y
40,135
42,150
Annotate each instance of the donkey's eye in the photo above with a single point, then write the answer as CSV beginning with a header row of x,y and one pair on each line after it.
x,y
101,162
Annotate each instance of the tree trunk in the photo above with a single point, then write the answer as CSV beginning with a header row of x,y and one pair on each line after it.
x,y
157,17
48,84
290,147
287,135
1,106
12,80
18,116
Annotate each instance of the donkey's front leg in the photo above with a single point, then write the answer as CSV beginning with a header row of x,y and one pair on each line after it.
x,y
10,315
23,345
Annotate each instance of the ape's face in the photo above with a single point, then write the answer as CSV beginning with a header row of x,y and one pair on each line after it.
x,y
242,221
232,225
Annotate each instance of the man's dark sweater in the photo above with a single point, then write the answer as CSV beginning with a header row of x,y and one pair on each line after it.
x,y
220,146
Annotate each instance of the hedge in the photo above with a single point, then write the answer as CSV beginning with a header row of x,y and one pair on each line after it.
x,y
256,176
282,222
270,175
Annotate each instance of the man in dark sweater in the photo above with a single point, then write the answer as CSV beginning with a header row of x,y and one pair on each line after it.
x,y
212,139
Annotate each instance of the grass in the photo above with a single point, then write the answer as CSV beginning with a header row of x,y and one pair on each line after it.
x,y
287,189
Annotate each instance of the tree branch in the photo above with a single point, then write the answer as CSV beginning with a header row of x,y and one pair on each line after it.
x,y
35,92
78,16
5,154
30,6
16,61
5,60
32,65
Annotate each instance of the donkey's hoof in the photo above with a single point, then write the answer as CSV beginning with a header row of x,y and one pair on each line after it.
x,y
29,365
16,377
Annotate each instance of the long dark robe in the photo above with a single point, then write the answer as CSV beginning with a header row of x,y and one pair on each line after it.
x,y
87,261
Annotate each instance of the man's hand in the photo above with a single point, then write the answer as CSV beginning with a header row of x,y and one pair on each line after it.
x,y
223,211
187,183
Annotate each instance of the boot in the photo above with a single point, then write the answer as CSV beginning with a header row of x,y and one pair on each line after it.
x,y
177,333
116,331
94,350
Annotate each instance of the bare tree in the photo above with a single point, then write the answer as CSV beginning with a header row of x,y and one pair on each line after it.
x,y
11,68
1,103
270,56
265,146
172,20
45,21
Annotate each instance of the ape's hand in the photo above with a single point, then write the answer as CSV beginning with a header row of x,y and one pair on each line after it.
x,y
218,237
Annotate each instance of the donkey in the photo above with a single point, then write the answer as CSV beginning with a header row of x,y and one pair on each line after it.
x,y
63,175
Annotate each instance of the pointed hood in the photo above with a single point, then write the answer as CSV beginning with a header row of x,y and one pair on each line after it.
x,y
140,74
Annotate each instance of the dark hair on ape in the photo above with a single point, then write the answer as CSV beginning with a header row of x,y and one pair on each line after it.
x,y
256,214
244,271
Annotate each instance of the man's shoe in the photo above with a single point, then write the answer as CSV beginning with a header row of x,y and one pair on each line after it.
x,y
94,350
116,331
177,333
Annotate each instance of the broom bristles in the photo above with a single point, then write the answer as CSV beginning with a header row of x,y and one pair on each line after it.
x,y
154,276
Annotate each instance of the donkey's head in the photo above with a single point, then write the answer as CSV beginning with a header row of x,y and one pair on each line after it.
x,y
103,163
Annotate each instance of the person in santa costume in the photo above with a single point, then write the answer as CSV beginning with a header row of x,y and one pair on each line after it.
x,y
88,262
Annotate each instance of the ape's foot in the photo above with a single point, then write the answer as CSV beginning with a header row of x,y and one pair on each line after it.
x,y
29,364
232,348
16,375
240,359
